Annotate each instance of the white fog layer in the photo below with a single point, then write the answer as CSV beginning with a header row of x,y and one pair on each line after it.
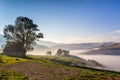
x,y
111,62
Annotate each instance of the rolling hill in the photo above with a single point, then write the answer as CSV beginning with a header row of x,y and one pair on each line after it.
x,y
49,68
113,49
113,46
81,46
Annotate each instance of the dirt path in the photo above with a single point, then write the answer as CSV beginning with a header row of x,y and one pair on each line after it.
x,y
38,71
34,70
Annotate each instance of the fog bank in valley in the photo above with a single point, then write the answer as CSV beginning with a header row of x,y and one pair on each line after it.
x,y
111,62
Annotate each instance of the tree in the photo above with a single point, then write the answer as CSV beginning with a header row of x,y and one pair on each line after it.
x,y
24,32
48,53
59,52
65,53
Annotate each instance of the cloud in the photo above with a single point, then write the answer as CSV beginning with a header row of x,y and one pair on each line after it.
x,y
105,37
115,32
113,36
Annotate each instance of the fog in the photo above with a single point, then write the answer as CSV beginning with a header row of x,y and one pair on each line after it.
x,y
41,52
111,62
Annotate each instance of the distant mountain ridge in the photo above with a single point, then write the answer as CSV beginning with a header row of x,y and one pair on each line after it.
x,y
113,49
81,46
48,43
113,46
40,47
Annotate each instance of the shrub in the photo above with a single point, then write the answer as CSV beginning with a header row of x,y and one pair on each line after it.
x,y
48,53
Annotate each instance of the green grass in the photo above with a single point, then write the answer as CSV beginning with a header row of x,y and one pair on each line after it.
x,y
97,75
5,60
11,75
35,57
55,59
87,74
81,73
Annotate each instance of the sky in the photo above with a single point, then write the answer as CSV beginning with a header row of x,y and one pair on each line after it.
x,y
67,21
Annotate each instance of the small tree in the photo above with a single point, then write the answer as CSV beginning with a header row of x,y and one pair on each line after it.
x,y
48,53
24,32
59,52
65,53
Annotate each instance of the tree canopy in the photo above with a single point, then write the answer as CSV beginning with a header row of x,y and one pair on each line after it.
x,y
24,31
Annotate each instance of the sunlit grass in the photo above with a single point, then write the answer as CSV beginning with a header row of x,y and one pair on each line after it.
x,y
11,75
51,67
10,60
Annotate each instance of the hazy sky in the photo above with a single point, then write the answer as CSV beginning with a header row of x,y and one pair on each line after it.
x,y
67,21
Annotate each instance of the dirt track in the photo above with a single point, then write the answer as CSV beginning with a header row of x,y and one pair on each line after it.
x,y
38,71
34,70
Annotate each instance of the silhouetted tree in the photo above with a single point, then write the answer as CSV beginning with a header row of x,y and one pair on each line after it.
x,y
65,53
24,32
48,53
59,52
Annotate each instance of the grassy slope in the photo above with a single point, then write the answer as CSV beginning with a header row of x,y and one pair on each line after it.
x,y
42,68
6,74
6,60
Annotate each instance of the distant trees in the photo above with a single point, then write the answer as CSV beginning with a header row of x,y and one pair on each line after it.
x,y
23,32
65,53
61,52
49,53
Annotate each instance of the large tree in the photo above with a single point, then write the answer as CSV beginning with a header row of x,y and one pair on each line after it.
x,y
24,31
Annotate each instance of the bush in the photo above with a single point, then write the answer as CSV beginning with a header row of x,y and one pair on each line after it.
x,y
65,52
48,53
59,52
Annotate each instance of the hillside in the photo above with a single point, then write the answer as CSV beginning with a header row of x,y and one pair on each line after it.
x,y
81,46
48,43
113,46
40,47
42,68
113,49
